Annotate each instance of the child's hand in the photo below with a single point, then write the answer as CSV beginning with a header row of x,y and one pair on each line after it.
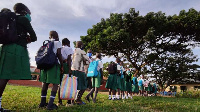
x,y
61,70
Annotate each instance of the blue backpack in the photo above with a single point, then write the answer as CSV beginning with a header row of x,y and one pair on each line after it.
x,y
134,80
140,82
92,70
46,58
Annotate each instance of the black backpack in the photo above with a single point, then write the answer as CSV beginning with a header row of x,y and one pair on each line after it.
x,y
46,58
112,68
8,30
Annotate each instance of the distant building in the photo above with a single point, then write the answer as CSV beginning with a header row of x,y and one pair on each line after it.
x,y
185,85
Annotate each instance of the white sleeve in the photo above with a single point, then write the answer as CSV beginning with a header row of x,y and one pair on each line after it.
x,y
57,45
100,64
118,67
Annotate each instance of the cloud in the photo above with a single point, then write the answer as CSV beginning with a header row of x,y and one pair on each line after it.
x,y
72,18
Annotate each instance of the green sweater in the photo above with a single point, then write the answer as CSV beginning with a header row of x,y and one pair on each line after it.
x,y
23,28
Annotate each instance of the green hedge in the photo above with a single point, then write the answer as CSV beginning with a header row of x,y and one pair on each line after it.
x,y
188,94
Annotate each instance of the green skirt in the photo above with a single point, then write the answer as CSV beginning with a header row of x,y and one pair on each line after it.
x,y
123,85
51,75
118,82
111,82
14,62
141,87
96,81
135,88
66,68
82,82
128,86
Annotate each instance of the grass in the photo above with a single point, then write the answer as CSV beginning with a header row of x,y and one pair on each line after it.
x,y
26,99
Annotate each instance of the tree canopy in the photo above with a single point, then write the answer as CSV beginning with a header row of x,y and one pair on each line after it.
x,y
145,40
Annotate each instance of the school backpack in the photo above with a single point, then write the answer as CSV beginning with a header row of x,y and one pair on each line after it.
x,y
92,70
8,30
140,82
45,57
112,68
134,80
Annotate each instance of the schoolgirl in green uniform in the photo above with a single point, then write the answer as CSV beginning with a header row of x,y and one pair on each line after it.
x,y
52,75
96,81
128,84
135,88
14,58
123,87
111,83
66,52
118,78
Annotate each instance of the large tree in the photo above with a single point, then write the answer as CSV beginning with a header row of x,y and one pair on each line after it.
x,y
143,39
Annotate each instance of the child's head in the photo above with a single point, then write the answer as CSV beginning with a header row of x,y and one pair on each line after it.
x,y
118,60
65,41
53,35
98,55
79,44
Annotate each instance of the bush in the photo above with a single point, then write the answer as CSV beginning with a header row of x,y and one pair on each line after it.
x,y
188,94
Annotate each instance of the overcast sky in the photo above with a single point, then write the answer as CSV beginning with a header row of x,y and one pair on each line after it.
x,y
72,18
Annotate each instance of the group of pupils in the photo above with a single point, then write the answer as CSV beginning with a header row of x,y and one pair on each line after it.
x,y
15,65
123,84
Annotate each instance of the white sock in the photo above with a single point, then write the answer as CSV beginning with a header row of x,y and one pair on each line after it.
x,y
113,97
0,101
109,96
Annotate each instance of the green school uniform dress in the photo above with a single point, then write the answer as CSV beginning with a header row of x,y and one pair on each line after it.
x,y
118,81
14,58
96,81
51,75
81,79
128,82
111,82
123,86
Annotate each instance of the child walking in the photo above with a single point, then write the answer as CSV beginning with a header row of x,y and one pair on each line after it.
x,y
14,61
52,75
79,60
96,81
66,52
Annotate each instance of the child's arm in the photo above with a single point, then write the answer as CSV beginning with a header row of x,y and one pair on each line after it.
x,y
59,55
69,62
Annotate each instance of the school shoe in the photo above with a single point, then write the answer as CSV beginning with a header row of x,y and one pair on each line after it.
x,y
69,105
4,110
110,98
43,105
59,104
52,107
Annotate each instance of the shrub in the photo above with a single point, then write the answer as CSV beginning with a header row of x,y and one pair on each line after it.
x,y
188,94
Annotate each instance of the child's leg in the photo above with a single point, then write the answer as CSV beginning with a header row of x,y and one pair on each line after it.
x,y
109,97
95,96
89,94
118,91
113,94
59,100
44,94
52,97
3,83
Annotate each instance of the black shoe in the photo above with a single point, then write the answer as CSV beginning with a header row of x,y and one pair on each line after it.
x,y
4,110
53,107
43,105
